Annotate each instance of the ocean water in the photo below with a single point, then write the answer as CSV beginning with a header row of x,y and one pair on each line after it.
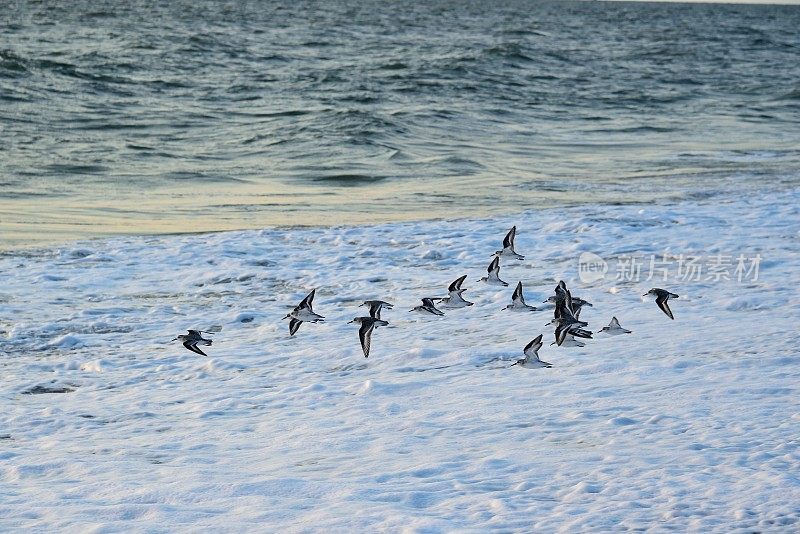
x,y
381,150
140,117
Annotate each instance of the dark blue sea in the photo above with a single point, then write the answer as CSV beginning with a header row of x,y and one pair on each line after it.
x,y
191,116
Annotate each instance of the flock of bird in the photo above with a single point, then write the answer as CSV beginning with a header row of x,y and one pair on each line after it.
x,y
566,316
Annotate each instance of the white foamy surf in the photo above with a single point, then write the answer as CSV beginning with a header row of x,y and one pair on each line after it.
x,y
689,424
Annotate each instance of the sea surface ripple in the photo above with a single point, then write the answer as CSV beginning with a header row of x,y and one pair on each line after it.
x,y
140,117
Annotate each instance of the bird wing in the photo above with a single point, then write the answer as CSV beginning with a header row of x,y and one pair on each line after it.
x,y
558,312
294,324
579,332
508,241
561,293
494,267
614,323
307,302
431,307
375,309
662,303
568,303
532,349
561,333
517,296
365,335
455,286
192,346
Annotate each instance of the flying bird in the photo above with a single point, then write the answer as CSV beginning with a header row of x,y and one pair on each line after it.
x,y
518,301
368,324
564,317
303,312
508,246
531,352
493,274
427,308
614,329
194,338
577,302
375,307
662,296
455,300
561,294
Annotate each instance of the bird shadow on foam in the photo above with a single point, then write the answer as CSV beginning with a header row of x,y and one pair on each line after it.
x,y
41,390
478,363
423,369
348,368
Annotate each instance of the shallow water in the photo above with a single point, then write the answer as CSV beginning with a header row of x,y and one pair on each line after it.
x,y
126,117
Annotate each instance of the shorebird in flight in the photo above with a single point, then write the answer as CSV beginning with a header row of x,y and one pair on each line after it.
x,y
302,313
518,301
564,317
577,302
455,300
194,338
493,274
368,324
427,308
662,296
375,307
531,352
508,246
561,294
614,329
